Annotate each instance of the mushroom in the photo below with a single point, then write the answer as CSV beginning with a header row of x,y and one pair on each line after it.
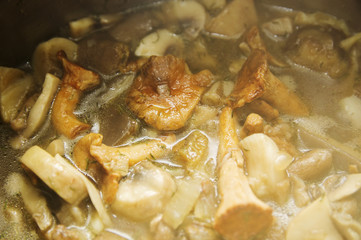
x,y
350,110
165,92
312,165
182,202
116,160
240,215
160,43
235,18
317,49
80,27
189,14
144,193
266,167
213,5
255,41
100,53
41,107
44,59
321,19
134,27
280,27
16,86
256,81
76,80
313,222
192,150
64,179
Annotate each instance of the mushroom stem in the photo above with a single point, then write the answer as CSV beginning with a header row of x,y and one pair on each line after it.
x,y
240,215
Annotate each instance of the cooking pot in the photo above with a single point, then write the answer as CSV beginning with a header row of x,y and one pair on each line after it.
x,y
26,23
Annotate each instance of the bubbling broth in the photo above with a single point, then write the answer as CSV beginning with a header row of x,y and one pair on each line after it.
x,y
188,120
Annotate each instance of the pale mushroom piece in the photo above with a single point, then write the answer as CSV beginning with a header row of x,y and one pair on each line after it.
x,y
313,222
40,110
160,43
351,185
13,97
63,179
81,27
350,110
56,147
348,43
278,27
182,202
266,167
299,191
189,14
349,227
254,124
255,81
213,5
240,215
321,19
34,202
8,76
145,193
312,165
44,59
75,80
235,18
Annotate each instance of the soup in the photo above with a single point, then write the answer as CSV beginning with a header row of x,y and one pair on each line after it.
x,y
170,121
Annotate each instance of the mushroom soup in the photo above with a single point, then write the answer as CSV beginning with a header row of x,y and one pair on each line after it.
x,y
187,120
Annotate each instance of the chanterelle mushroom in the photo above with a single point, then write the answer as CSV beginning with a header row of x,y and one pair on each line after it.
x,y
165,92
255,81
76,80
240,215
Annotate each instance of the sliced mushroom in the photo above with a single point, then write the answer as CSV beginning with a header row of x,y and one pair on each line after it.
x,y
182,202
160,43
75,81
236,17
63,179
81,27
255,81
165,93
313,222
41,107
44,59
13,97
189,14
240,215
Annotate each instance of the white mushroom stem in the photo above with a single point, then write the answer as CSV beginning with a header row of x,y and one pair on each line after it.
x,y
240,215
41,107
63,179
